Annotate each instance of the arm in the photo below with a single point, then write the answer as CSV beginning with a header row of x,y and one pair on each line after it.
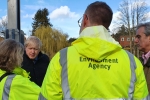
x,y
51,87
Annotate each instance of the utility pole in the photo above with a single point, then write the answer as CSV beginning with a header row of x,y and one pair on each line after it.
x,y
13,27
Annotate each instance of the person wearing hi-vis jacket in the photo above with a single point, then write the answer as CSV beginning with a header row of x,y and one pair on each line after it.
x,y
94,67
14,81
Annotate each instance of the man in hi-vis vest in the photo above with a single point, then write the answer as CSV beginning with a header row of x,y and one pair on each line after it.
x,y
95,67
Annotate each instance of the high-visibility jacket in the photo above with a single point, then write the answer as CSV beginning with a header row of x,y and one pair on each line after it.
x,y
95,67
18,87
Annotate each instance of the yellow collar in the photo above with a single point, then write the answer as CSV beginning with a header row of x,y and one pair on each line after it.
x,y
20,71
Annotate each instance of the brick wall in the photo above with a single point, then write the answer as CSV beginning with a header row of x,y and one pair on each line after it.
x,y
125,41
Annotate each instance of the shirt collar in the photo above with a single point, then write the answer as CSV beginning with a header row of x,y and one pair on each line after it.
x,y
145,57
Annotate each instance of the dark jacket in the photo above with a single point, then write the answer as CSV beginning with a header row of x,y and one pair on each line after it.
x,y
147,72
37,69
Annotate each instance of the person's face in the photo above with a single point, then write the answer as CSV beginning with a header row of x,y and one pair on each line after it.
x,y
32,50
142,41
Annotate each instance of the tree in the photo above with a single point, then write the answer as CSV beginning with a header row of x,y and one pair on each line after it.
x,y
3,23
40,19
122,31
131,14
71,40
52,40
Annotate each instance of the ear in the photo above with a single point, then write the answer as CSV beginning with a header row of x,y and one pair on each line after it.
x,y
85,21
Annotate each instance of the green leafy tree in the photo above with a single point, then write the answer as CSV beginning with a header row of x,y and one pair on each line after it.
x,y
53,40
71,40
40,19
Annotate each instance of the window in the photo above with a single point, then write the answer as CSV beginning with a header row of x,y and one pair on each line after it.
x,y
128,39
122,39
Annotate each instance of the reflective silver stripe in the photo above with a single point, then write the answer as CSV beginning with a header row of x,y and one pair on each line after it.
x,y
41,97
64,74
65,83
133,76
5,95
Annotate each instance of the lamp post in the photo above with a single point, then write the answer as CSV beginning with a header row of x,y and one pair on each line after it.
x,y
13,27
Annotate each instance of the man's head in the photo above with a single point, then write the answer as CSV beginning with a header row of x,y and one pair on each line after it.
x,y
32,47
142,38
97,13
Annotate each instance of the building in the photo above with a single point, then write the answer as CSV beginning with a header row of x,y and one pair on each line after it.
x,y
1,36
124,41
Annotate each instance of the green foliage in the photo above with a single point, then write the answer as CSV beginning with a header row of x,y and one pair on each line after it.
x,y
52,40
40,19
71,40
122,31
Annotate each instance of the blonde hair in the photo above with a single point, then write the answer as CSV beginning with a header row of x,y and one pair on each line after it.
x,y
11,54
33,39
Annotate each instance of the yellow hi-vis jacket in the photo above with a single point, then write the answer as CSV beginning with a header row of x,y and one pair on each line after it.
x,y
18,86
95,67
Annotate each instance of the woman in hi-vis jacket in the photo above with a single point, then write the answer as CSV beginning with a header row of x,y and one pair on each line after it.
x,y
14,81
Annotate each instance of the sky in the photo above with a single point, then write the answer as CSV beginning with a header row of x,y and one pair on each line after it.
x,y
63,14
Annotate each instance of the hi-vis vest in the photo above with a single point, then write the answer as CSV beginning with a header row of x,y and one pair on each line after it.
x,y
8,82
17,87
65,82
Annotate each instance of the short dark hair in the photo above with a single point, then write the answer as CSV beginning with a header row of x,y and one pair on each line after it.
x,y
99,13
146,26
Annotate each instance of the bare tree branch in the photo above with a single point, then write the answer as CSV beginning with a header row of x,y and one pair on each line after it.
x,y
3,23
132,12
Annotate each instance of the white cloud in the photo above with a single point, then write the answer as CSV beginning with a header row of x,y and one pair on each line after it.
x,y
114,25
22,11
27,31
4,18
63,12
28,16
148,14
116,16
